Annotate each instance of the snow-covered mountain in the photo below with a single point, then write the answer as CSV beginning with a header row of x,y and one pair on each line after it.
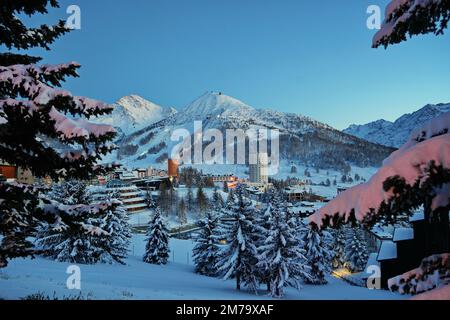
x,y
302,139
396,133
133,112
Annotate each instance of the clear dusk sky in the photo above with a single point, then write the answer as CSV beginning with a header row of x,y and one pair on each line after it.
x,y
309,57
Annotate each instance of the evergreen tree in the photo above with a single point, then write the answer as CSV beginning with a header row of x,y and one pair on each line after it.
x,y
206,250
293,169
225,186
264,221
282,257
173,202
217,199
339,247
35,129
190,201
318,256
151,204
231,199
182,217
356,250
32,105
202,201
239,257
164,201
71,192
80,231
17,220
115,223
157,248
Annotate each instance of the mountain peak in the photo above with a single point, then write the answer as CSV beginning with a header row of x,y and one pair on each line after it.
x,y
214,103
136,101
133,112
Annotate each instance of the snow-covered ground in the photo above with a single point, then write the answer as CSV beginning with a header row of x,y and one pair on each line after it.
x,y
138,280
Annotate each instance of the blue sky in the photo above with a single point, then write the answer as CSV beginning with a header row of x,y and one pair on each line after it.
x,y
309,57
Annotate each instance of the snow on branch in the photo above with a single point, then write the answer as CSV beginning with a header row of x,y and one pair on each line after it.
x,y
412,17
411,163
34,83
75,128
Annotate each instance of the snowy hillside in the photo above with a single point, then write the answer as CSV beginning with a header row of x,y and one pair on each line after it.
x,y
133,112
396,133
301,138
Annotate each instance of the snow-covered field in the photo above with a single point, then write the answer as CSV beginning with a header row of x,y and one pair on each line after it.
x,y
138,280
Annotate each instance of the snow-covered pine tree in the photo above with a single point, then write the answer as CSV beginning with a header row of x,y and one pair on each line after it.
x,y
33,106
202,201
263,218
151,204
231,199
239,256
35,131
190,201
182,216
339,236
356,253
73,241
225,186
80,231
217,199
282,256
318,254
206,250
412,17
157,248
70,192
17,210
115,223
164,200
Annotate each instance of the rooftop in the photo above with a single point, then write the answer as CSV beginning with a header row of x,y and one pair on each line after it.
x,y
401,234
388,251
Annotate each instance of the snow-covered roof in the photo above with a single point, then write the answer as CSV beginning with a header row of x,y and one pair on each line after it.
x,y
381,233
125,201
401,234
388,251
135,206
417,217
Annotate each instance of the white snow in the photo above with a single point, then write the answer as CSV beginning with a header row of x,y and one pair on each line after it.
x,y
138,280
75,128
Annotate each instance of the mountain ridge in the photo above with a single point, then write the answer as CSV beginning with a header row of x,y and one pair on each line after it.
x,y
394,134
302,139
